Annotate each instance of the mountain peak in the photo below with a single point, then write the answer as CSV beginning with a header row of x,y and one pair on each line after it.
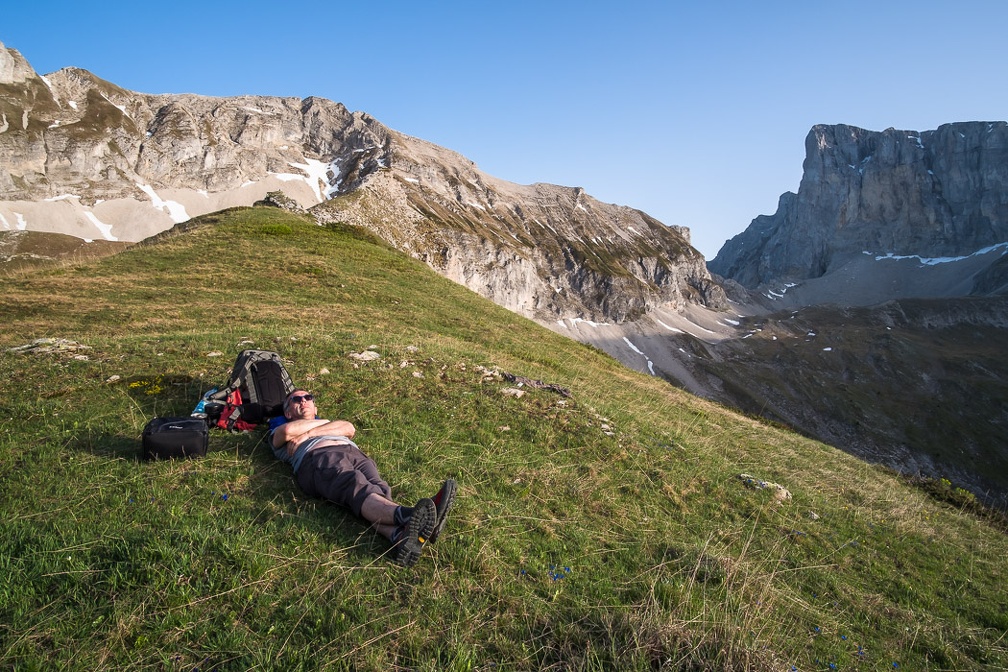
x,y
14,69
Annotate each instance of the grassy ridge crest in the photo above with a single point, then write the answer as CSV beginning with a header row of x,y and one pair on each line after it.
x,y
630,526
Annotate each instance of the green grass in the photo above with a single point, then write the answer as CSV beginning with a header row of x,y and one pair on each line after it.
x,y
609,530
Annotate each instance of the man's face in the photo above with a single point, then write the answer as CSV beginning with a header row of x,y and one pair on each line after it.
x,y
301,405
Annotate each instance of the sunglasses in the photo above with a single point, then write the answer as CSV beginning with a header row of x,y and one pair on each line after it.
x,y
298,398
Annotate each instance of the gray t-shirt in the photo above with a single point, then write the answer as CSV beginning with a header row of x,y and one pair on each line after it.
x,y
304,447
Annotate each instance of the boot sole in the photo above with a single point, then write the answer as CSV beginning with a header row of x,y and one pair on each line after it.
x,y
418,532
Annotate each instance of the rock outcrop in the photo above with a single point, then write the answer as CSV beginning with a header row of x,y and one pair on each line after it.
x,y
928,196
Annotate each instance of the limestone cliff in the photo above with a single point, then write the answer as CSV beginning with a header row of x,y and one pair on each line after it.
x,y
932,195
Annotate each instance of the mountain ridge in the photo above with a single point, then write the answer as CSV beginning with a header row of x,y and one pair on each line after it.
x,y
92,156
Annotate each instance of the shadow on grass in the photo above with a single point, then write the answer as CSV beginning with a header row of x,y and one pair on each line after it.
x,y
268,481
165,396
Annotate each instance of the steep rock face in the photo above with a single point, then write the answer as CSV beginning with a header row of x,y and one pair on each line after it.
x,y
84,157
932,194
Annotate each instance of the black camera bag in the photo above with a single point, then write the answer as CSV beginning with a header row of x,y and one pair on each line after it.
x,y
170,438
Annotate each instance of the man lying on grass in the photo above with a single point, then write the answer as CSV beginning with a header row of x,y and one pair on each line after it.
x,y
328,464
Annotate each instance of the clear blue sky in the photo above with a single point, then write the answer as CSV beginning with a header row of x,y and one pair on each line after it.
x,y
695,112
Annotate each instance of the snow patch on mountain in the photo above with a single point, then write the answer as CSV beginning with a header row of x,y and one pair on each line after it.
x,y
934,261
175,210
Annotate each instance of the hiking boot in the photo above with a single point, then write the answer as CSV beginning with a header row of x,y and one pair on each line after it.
x,y
412,536
443,501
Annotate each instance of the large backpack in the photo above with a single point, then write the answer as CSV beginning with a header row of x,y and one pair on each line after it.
x,y
258,386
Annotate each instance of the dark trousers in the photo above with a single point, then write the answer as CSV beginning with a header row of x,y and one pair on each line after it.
x,y
341,474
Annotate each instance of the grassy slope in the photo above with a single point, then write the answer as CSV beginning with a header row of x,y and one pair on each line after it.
x,y
606,530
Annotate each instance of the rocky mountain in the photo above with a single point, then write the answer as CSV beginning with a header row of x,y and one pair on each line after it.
x,y
881,215
544,251
84,157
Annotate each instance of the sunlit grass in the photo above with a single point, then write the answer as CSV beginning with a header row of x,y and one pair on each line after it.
x,y
607,530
